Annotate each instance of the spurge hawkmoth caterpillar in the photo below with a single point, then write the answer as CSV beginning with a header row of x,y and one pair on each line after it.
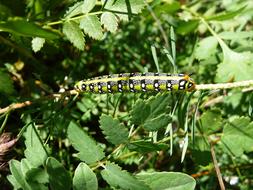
x,y
136,82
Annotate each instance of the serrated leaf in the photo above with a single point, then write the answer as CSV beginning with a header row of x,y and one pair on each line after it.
x,y
59,177
146,146
22,27
15,167
92,26
151,113
206,48
84,178
109,20
118,178
89,151
88,5
115,132
236,35
34,152
6,85
124,9
74,10
168,180
211,121
37,43
235,66
238,136
74,34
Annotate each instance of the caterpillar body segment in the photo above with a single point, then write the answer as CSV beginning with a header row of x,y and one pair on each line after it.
x,y
136,82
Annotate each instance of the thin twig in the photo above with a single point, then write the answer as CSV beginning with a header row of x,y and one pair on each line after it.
x,y
240,84
216,166
19,105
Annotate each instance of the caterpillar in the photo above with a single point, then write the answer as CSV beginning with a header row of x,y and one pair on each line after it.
x,y
136,82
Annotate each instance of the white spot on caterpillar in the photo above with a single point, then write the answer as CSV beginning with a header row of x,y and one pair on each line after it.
x,y
182,83
143,85
99,86
156,85
181,87
119,86
108,86
131,85
169,85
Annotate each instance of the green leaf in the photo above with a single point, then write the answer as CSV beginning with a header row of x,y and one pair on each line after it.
x,y
74,34
14,182
59,177
120,179
15,167
34,152
226,16
92,26
235,35
74,10
151,113
238,136
37,175
185,27
84,178
115,132
206,48
37,44
22,27
109,20
89,151
168,180
6,85
88,5
124,9
235,66
146,146
211,121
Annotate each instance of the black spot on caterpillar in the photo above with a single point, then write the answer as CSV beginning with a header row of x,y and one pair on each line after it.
x,y
136,82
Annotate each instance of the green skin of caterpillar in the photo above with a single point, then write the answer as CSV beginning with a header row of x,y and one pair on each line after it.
x,y
136,82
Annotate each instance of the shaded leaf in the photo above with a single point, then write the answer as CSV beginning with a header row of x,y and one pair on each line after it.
x,y
59,177
185,27
118,178
168,180
6,85
74,34
151,113
37,44
115,132
92,26
238,136
211,121
34,152
109,20
22,27
146,146
37,175
124,9
89,151
84,178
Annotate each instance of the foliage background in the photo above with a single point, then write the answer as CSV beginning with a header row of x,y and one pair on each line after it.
x,y
52,51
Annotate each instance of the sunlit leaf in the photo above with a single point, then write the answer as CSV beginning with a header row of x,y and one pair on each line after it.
x,y
109,20
74,34
92,26
37,43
